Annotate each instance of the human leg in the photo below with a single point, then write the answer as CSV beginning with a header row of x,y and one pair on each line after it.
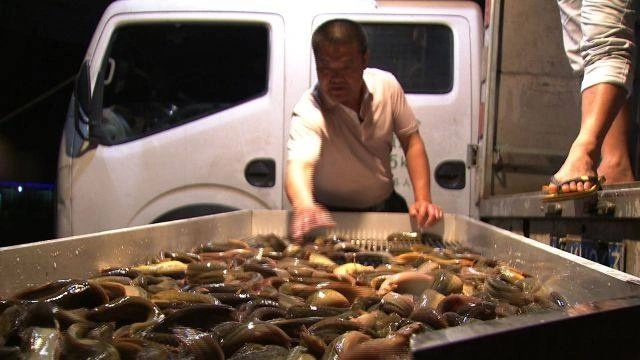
x,y
608,42
600,105
570,18
615,164
607,46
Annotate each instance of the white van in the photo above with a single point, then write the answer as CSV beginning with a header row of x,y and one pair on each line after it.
x,y
182,108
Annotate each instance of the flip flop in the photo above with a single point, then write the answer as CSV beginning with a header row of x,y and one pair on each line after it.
x,y
561,196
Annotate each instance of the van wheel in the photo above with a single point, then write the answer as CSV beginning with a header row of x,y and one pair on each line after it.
x,y
192,211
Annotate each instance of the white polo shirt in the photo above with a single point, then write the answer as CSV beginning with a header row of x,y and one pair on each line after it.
x,y
352,158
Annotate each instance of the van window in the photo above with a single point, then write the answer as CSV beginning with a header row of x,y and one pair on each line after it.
x,y
419,55
158,76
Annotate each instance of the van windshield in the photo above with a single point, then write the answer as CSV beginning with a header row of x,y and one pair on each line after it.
x,y
158,76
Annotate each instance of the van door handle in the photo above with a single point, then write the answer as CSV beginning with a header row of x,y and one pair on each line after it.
x,y
261,172
451,174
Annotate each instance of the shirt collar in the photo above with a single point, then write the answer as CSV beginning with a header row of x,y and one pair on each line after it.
x,y
327,103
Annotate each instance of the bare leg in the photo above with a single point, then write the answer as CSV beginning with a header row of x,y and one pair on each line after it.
x,y
600,105
615,164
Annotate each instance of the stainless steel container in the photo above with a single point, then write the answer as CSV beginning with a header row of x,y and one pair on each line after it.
x,y
604,299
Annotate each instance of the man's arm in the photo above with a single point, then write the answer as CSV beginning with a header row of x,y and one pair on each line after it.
x,y
423,209
299,183
307,214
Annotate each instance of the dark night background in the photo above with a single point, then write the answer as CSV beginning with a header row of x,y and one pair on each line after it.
x,y
42,43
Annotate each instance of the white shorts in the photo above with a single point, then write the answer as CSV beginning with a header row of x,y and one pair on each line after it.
x,y
599,40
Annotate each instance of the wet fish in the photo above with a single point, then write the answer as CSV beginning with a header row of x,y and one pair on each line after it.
x,y
172,268
203,317
257,332
67,294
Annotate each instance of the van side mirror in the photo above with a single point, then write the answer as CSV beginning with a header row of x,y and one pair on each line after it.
x,y
82,106
88,118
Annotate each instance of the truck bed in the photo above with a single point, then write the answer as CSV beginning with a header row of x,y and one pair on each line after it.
x,y
604,229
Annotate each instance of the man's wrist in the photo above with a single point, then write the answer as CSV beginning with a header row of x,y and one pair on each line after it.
x,y
304,204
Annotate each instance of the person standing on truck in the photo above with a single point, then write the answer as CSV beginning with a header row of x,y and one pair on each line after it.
x,y
341,134
599,41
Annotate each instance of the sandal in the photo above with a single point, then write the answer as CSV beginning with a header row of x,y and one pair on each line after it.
x,y
570,195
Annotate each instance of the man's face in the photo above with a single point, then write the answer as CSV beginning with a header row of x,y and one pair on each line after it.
x,y
339,69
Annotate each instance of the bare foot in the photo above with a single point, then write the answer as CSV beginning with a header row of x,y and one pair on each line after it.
x,y
616,172
575,175
577,184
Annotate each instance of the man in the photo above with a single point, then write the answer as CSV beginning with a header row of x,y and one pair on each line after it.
x,y
599,41
341,137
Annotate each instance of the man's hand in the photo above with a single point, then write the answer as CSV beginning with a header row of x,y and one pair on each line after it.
x,y
426,213
307,219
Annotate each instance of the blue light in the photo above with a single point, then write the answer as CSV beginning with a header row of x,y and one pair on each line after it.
x,y
19,188
27,185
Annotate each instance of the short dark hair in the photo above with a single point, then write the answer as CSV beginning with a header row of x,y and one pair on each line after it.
x,y
339,31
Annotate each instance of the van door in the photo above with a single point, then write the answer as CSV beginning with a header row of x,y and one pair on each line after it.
x,y
435,55
191,119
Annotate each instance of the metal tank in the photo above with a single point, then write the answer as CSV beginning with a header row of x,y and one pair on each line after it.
x,y
604,301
